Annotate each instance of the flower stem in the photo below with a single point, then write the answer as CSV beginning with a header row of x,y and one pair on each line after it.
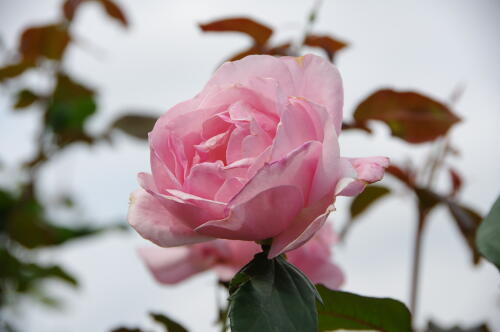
x,y
415,275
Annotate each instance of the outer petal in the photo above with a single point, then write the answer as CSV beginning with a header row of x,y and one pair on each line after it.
x,y
360,171
318,80
172,265
314,259
263,216
188,209
153,222
301,230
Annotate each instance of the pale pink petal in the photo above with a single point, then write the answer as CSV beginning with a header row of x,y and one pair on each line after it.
x,y
205,179
294,129
250,67
188,209
329,169
172,265
229,189
301,230
296,169
263,216
316,79
360,171
155,223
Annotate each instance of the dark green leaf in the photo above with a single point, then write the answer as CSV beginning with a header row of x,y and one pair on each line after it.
x,y
49,41
258,31
347,311
169,324
431,327
468,222
488,235
367,198
272,295
411,116
135,125
25,98
126,329
69,109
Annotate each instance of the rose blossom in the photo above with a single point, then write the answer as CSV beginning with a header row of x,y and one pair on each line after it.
x,y
226,257
254,156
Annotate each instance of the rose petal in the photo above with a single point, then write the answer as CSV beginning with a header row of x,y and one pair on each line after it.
x,y
360,171
153,222
316,79
263,216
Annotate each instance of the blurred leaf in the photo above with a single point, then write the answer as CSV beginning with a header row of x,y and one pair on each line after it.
x,y
488,235
114,11
281,49
25,98
427,199
328,44
126,329
347,311
367,198
70,107
49,41
258,31
401,174
432,327
456,182
169,324
135,125
25,277
271,295
412,117
355,125
14,70
70,7
468,222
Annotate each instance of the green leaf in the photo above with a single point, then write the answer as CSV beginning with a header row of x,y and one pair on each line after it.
x,y
134,125
468,222
343,310
367,198
488,235
411,116
169,324
70,107
272,295
25,98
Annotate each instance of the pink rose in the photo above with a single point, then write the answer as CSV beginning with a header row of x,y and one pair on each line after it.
x,y
226,257
254,156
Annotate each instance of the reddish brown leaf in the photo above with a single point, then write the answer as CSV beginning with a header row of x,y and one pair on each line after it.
x,y
325,42
456,181
280,49
14,70
402,175
468,222
49,41
114,11
411,116
258,31
355,125
70,7
25,98
252,50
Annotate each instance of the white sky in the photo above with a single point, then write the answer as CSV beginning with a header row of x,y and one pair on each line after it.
x,y
162,59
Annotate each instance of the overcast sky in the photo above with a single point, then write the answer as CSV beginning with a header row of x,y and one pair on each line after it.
x,y
162,59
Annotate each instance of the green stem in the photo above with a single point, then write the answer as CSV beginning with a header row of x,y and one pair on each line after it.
x,y
415,276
